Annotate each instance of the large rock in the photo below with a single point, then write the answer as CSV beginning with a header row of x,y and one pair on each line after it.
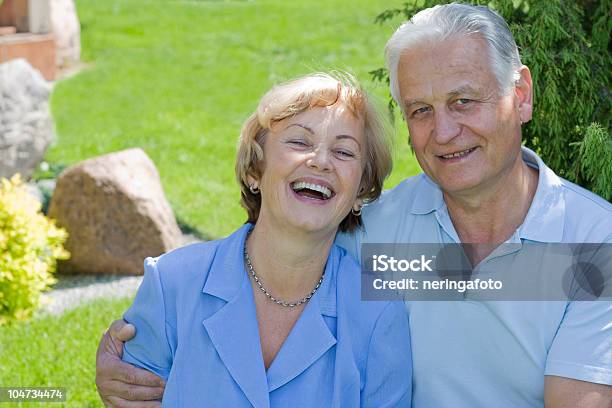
x,y
67,31
116,214
26,125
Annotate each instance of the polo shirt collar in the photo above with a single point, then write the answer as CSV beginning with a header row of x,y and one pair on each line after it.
x,y
545,219
546,216
428,196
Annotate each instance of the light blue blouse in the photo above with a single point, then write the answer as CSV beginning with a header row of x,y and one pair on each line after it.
x,y
197,328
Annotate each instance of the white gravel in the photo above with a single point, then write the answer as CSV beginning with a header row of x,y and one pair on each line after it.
x,y
72,291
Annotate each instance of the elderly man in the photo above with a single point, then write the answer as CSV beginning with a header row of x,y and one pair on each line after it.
x,y
456,73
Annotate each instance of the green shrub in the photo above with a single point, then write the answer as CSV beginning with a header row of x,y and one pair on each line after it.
x,y
565,44
30,244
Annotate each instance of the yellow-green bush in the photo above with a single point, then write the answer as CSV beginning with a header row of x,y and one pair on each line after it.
x,y
30,244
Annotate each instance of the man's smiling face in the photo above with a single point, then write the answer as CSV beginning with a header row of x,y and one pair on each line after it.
x,y
466,135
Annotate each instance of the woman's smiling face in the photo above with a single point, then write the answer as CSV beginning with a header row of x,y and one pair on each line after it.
x,y
313,163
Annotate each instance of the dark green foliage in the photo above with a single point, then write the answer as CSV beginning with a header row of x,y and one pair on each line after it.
x,y
595,166
565,45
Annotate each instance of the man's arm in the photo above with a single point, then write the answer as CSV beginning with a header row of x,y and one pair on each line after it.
x,y
120,384
560,392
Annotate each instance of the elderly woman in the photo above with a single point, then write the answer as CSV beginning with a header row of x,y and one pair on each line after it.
x,y
271,315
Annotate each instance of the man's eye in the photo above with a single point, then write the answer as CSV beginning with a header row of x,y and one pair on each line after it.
x,y
463,101
420,111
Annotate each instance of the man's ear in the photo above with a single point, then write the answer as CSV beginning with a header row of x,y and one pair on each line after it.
x,y
523,89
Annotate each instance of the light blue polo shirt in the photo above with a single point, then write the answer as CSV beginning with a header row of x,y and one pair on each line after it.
x,y
483,354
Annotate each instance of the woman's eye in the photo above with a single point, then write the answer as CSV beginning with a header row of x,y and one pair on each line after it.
x,y
297,142
344,154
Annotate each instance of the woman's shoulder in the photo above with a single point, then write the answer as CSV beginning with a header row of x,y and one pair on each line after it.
x,y
190,265
181,262
183,269
188,254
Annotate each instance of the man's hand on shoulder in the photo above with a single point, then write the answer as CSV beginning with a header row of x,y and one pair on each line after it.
x,y
560,392
120,384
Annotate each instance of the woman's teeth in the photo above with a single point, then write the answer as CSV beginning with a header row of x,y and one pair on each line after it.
x,y
301,185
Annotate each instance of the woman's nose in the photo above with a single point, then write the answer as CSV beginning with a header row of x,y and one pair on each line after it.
x,y
320,159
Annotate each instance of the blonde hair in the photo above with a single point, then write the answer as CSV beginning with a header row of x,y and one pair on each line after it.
x,y
296,96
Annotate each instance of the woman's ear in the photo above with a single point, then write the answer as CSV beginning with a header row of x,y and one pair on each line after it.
x,y
253,184
356,209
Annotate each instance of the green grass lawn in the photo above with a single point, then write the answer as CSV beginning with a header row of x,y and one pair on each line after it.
x,y
58,351
178,78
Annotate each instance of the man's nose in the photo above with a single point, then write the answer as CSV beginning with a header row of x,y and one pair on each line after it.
x,y
320,159
446,127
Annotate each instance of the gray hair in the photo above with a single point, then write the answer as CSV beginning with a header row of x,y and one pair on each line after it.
x,y
444,21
